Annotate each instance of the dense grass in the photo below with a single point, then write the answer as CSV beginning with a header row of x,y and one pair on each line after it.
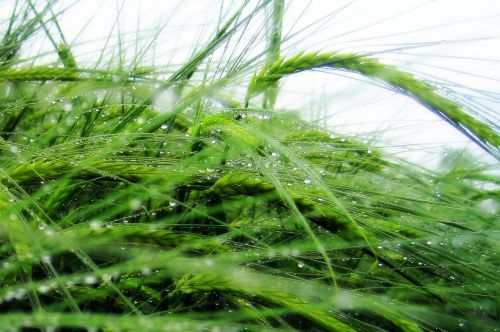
x,y
220,212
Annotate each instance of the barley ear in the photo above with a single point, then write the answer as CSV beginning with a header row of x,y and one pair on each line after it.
x,y
449,110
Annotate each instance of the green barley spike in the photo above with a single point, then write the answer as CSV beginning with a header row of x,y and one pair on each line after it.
x,y
449,110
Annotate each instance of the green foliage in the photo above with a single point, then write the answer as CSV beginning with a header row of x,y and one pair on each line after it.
x,y
118,215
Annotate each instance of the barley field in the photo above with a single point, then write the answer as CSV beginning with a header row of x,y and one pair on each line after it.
x,y
186,190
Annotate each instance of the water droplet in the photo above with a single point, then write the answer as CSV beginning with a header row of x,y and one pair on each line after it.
x,y
307,181
46,259
67,107
300,265
135,204
164,126
14,148
95,224
20,293
90,280
43,289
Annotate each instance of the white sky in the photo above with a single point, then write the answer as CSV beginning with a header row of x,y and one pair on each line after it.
x,y
462,51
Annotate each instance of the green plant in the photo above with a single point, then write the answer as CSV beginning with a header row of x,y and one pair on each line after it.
x,y
117,214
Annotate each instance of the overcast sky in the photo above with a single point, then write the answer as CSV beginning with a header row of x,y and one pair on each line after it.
x,y
453,42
